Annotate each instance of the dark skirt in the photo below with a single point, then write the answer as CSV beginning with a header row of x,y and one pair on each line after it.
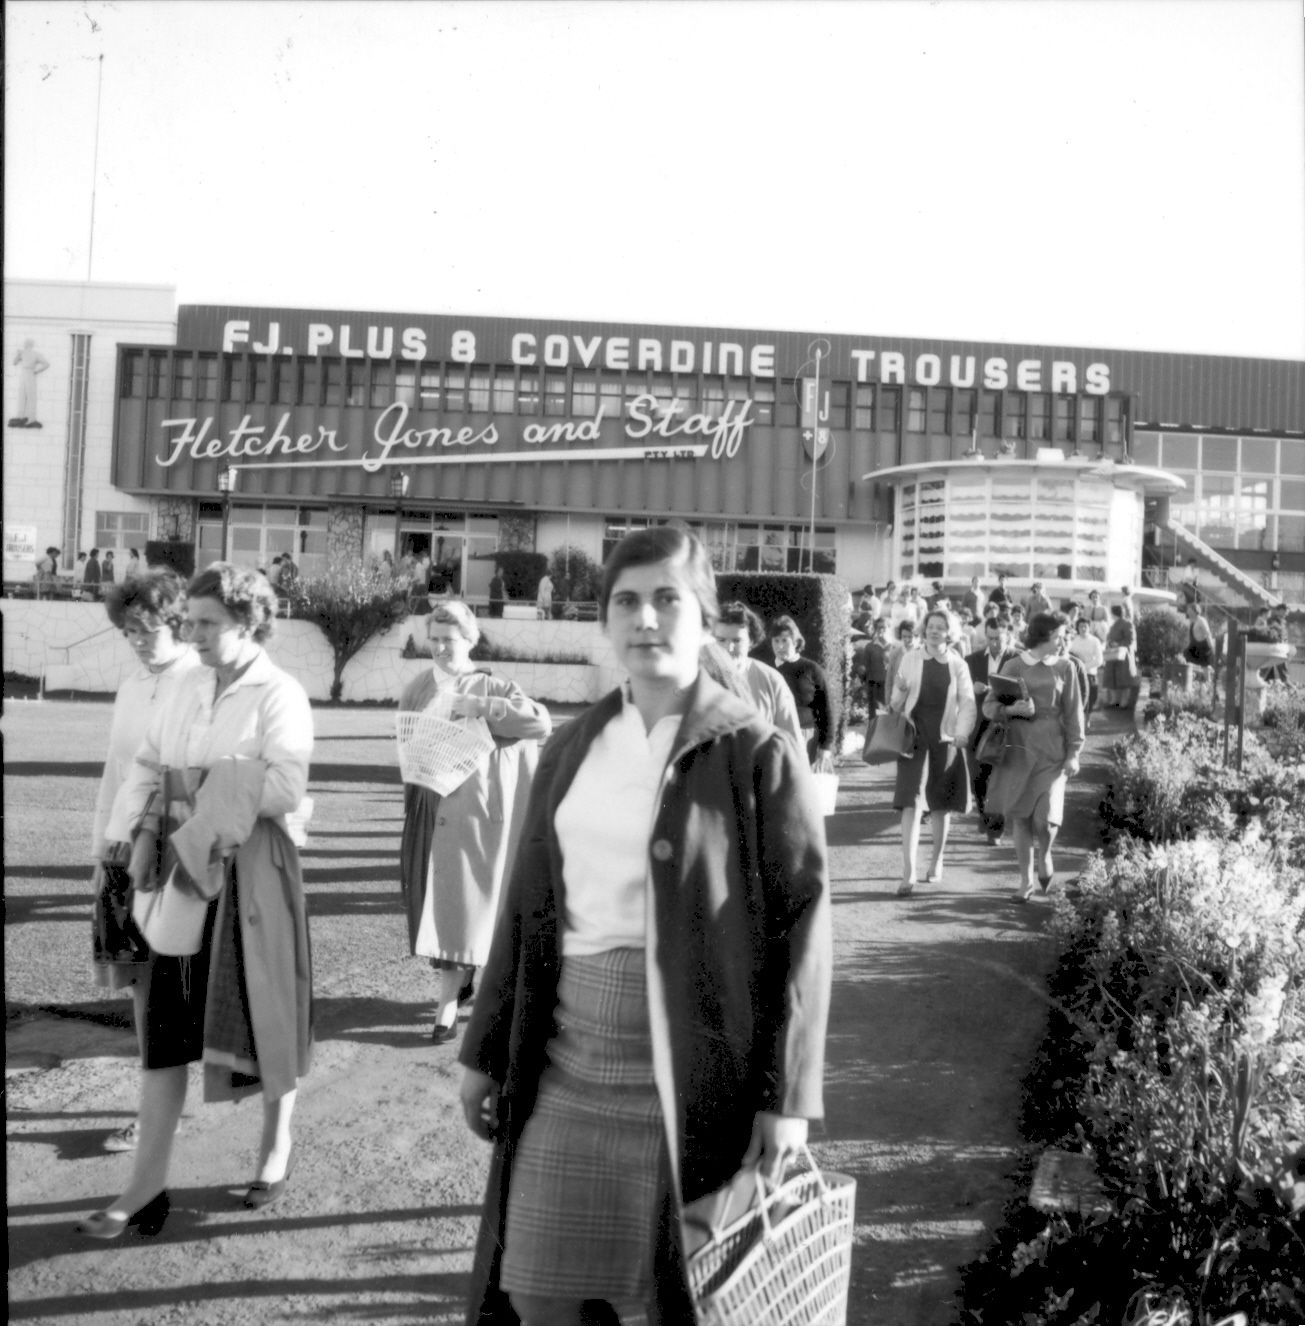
x,y
175,993
938,773
586,1191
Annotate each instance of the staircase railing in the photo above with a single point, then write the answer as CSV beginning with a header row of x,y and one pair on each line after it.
x,y
1232,575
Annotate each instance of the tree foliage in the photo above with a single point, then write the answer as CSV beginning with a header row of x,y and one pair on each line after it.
x,y
351,603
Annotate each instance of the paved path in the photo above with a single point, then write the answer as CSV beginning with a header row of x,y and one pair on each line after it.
x,y
938,1006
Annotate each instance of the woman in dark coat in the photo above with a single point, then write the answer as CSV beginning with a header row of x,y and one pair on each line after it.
x,y
652,1014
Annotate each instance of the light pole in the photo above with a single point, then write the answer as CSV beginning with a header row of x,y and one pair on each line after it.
x,y
227,477
399,482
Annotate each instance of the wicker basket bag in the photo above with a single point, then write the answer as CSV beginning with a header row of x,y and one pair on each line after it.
x,y
787,1261
440,753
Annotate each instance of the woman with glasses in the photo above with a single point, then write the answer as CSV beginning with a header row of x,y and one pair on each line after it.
x,y
224,761
456,847
150,611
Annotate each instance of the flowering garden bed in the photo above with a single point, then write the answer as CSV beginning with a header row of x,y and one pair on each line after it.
x,y
1175,1052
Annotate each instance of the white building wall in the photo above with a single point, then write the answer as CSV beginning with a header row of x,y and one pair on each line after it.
x,y
50,313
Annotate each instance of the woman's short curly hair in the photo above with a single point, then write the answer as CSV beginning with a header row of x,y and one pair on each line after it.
x,y
246,595
453,612
736,613
154,598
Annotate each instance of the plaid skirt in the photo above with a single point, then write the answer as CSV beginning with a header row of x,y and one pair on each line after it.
x,y
584,1201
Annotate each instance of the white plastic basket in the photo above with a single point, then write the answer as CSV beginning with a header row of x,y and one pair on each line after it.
x,y
440,753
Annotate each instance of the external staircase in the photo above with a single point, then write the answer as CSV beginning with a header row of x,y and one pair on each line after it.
x,y
1233,578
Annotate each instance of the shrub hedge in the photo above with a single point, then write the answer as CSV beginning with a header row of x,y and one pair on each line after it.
x,y
818,603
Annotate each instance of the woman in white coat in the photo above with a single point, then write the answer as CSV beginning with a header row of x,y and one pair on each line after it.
x,y
150,611
237,734
456,848
932,687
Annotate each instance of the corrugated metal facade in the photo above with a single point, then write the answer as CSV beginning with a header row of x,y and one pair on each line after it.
x,y
1207,391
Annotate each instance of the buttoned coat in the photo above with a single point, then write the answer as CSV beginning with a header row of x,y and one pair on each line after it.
x,y
263,715
465,840
739,962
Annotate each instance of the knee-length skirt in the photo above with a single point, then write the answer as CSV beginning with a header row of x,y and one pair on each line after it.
x,y
584,1201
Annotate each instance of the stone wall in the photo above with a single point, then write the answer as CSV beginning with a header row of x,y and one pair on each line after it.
x,y
74,647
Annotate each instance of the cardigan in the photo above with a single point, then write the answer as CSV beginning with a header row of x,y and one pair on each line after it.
x,y
739,964
959,714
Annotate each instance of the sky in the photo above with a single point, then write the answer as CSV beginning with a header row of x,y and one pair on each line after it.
x,y
1121,174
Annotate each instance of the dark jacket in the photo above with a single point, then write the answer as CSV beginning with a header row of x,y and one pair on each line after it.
x,y
740,897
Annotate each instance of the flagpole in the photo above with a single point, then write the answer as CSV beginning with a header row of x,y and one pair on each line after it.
x,y
95,166
815,455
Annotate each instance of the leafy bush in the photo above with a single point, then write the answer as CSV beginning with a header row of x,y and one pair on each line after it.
x,y
1198,703
818,603
585,575
1161,633
351,603
1183,988
521,572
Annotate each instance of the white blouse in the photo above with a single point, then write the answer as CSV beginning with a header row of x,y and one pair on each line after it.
x,y
139,698
604,825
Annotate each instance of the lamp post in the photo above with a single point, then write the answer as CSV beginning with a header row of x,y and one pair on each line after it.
x,y
227,477
399,482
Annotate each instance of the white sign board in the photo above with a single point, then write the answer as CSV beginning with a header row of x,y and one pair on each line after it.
x,y
20,543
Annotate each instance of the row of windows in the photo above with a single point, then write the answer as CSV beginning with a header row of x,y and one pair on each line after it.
x,y
736,546
450,388
1218,452
120,530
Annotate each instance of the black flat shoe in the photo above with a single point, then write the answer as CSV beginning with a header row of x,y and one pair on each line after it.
x,y
1044,882
261,1193
148,1221
442,1035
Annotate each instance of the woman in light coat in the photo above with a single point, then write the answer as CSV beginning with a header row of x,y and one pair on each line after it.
x,y
933,688
150,611
456,847
238,733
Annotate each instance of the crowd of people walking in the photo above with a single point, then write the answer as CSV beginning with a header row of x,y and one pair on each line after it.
x,y
636,908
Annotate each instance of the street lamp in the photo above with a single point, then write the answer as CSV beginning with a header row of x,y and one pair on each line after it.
x,y
399,481
227,477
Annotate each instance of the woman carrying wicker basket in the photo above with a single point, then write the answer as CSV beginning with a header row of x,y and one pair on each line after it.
x,y
456,846
652,1015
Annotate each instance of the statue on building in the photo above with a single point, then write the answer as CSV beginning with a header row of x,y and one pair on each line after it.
x,y
29,362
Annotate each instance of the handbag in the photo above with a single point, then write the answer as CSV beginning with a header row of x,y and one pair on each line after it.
x,y
116,939
166,906
993,745
786,1261
826,791
891,736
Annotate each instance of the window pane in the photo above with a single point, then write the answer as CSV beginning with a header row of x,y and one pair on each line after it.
x,y
310,374
1014,406
261,371
382,389
555,393
886,411
183,377
864,407
1291,495
332,382
478,391
1178,451
940,410
1089,419
455,389
233,379
1260,455
915,419
1064,419
283,383
584,394
133,373
1219,453
505,394
1039,421
528,391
